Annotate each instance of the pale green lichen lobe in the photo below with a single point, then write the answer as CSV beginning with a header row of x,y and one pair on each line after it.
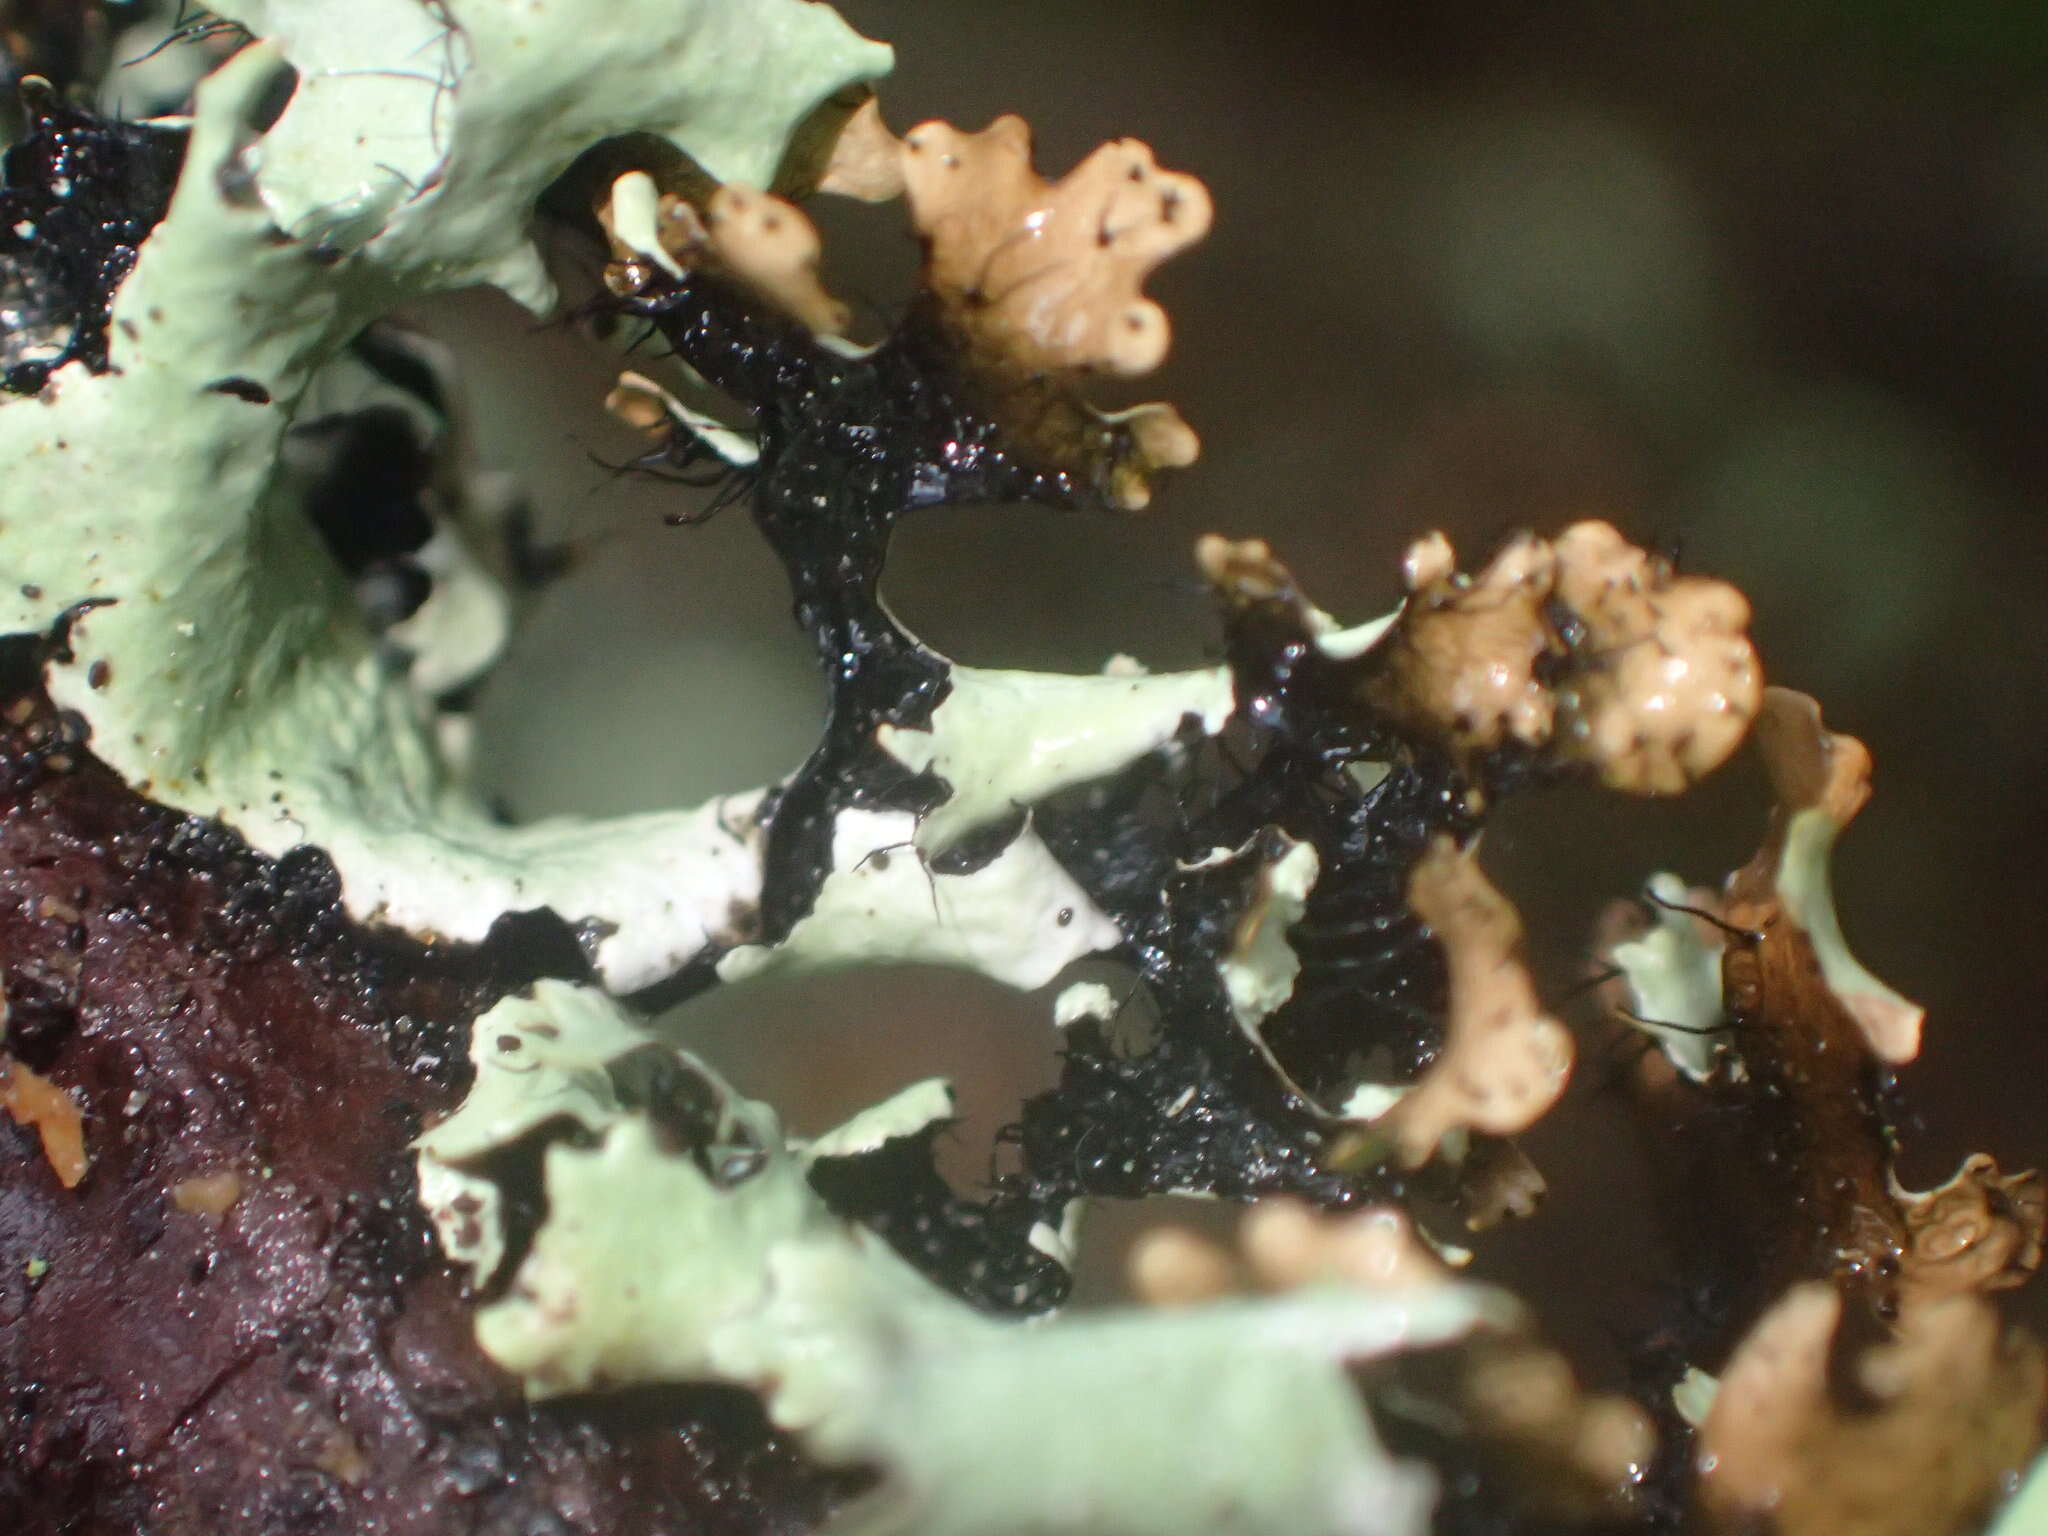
x,y
230,674
1002,739
663,1263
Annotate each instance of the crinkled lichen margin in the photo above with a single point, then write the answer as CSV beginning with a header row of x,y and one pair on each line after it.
x,y
226,670
692,1247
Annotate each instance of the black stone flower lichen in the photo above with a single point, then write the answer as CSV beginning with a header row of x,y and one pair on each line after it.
x,y
848,446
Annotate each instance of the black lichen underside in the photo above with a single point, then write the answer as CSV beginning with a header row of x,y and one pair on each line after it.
x,y
378,474
79,196
849,446
982,1251
1201,1109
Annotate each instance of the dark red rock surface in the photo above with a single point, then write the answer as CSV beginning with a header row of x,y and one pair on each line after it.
x,y
303,1362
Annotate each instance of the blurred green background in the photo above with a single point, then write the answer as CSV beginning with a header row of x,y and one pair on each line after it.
x,y
1766,285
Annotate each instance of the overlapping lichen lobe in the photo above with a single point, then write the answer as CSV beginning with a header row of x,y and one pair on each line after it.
x,y
1536,1452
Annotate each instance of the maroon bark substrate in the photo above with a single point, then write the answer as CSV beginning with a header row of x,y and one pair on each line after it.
x,y
304,1361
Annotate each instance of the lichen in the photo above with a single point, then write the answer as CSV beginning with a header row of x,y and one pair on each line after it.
x,y
1018,919
689,1250
1822,780
1584,645
1003,739
1671,967
1879,1392
765,243
1566,1452
226,670
1979,1232
1947,1407
2029,1508
1505,1060
1340,1012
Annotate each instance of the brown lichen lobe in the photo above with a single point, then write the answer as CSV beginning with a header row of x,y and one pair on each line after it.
x,y
1043,281
1504,1061
771,245
764,243
1175,1267
1912,1436
866,160
1283,1245
1288,1245
1585,646
1246,572
1049,274
1582,649
636,401
1981,1231
1569,1453
1464,657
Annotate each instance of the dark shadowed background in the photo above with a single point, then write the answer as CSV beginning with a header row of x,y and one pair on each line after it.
x,y
1766,285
